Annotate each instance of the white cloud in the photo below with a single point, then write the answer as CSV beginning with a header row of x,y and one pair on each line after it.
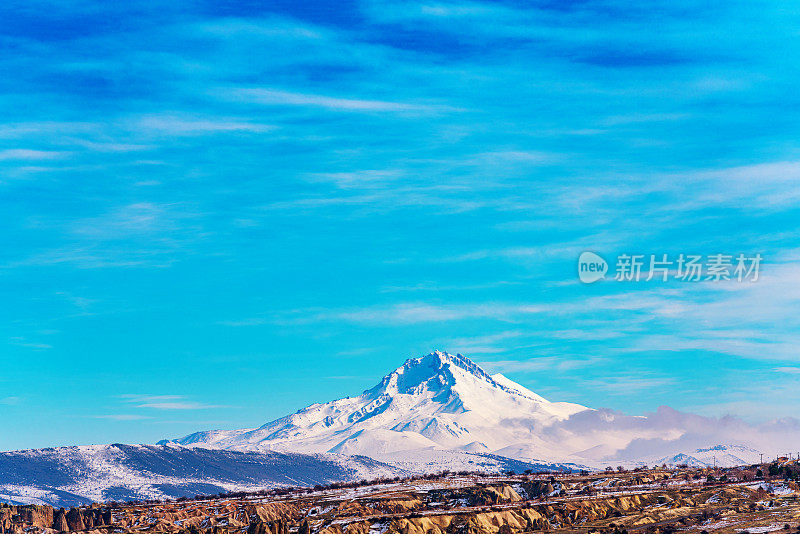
x,y
176,405
419,312
186,125
538,363
288,98
486,344
23,342
121,417
788,370
29,155
165,402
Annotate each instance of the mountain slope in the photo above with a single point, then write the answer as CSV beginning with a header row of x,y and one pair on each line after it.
x,y
68,476
437,401
71,476
443,406
436,412
717,456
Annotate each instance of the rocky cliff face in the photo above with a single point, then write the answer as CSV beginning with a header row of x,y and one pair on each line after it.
x,y
21,519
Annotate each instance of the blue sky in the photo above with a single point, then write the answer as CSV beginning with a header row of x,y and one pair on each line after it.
x,y
217,213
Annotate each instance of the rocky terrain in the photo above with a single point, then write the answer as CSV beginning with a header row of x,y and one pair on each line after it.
x,y
758,500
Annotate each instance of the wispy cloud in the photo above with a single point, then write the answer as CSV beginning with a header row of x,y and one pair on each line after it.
x,y
125,221
486,344
186,125
436,287
419,312
136,234
625,384
460,154
176,405
165,402
29,154
539,363
23,342
121,417
287,98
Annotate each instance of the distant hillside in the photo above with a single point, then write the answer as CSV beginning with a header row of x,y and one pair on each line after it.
x,y
69,476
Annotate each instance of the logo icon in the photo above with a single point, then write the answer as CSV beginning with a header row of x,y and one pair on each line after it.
x,y
591,267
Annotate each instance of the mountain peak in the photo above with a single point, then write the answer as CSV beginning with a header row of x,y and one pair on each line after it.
x,y
436,400
436,371
440,359
441,371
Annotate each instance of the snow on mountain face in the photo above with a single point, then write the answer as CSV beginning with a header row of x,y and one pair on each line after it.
x,y
440,401
719,456
432,413
444,408
69,476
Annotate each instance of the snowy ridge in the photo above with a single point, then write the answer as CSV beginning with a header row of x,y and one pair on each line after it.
x,y
71,476
68,476
717,456
440,411
446,406
391,383
439,401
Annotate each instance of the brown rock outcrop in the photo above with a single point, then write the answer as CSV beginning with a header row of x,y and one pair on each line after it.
x,y
60,521
75,519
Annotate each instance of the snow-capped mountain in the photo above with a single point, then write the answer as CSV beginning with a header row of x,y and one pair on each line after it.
x,y
444,411
433,413
440,411
717,456
439,401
